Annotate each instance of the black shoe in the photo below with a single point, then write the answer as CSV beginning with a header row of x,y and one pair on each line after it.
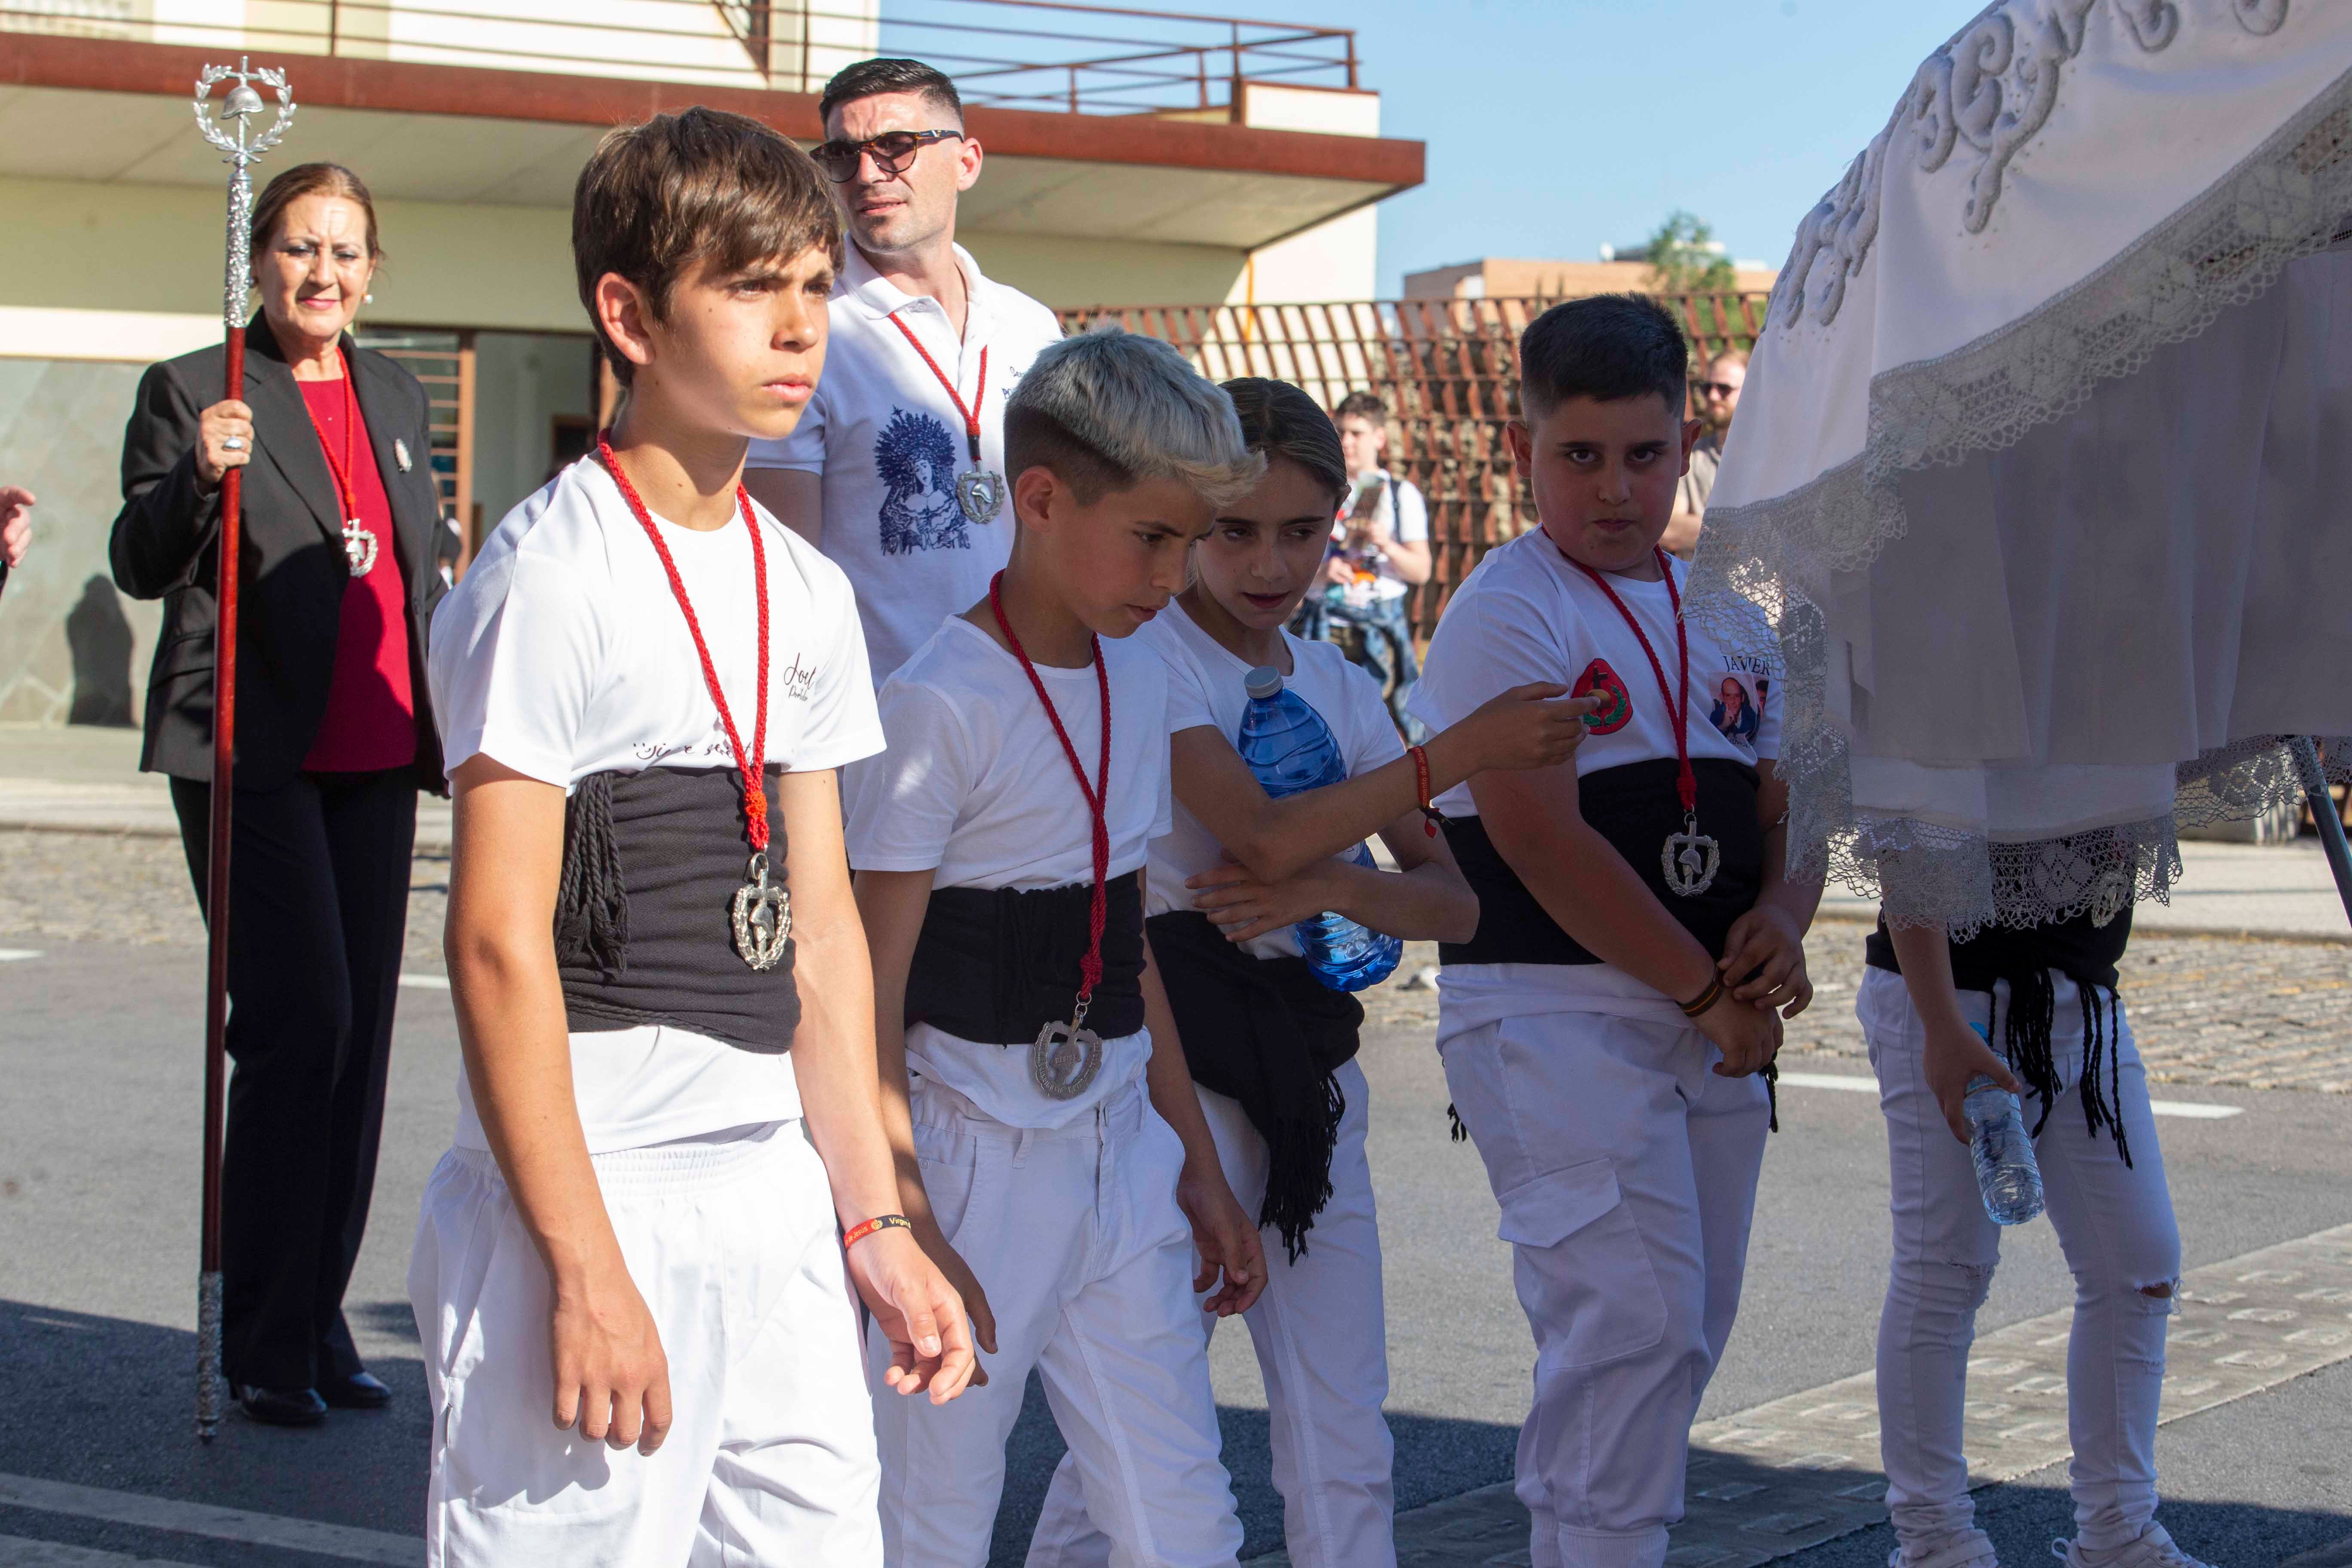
x,y
361,1391
282,1406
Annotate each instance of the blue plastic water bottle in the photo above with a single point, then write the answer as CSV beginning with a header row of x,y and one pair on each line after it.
x,y
2006,1171
1289,747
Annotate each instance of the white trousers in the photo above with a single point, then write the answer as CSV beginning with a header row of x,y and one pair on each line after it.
x,y
1626,1170
2115,1225
1075,1235
1322,1346
770,1457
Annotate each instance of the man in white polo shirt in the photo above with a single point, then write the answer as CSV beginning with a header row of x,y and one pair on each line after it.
x,y
896,470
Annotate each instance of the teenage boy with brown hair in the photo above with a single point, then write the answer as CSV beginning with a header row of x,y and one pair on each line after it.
x,y
669,1107
1604,1030
1052,1151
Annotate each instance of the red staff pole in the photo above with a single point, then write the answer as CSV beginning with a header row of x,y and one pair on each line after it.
x,y
243,143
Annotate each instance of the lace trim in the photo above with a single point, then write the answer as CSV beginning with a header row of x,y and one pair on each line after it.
x,y
2285,200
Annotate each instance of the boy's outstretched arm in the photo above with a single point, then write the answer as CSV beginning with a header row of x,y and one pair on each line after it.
x,y
1537,725
1538,827
1222,1229
612,1377
841,1095
892,905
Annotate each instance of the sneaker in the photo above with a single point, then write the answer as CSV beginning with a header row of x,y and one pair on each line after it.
x,y
2154,1548
1972,1549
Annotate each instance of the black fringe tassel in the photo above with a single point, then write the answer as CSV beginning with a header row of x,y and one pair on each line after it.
x,y
591,905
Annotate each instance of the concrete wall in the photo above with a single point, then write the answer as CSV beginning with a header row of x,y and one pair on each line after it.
x,y
521,382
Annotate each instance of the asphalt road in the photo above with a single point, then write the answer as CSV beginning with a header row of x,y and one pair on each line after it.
x,y
99,1051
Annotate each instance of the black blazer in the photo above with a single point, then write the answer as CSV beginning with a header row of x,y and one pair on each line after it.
x,y
293,572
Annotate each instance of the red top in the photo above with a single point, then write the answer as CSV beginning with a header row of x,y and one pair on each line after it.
x,y
371,718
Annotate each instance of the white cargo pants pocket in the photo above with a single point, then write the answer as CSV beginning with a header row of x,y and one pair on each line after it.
x,y
1584,1272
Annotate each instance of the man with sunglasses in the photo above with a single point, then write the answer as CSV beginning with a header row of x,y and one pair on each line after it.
x,y
896,470
1718,393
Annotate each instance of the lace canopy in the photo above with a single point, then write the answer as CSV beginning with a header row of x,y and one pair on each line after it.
x,y
2043,468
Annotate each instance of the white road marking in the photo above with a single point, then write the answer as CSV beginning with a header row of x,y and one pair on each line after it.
x,y
17,954
1853,1083
16,1552
205,1519
426,981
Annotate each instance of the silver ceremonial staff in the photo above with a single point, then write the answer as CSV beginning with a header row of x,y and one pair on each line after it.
x,y
236,132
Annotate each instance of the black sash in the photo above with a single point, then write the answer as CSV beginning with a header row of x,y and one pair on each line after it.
x,y
1266,1032
658,945
998,964
1634,807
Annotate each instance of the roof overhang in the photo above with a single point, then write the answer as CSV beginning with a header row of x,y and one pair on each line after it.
x,y
112,111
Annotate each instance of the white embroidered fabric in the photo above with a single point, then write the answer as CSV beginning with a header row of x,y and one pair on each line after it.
x,y
2042,468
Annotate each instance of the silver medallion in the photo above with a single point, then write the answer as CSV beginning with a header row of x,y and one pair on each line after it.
x,y
979,494
1064,1058
762,916
359,547
1690,859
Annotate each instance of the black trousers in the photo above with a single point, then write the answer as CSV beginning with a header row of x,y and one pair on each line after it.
x,y
318,875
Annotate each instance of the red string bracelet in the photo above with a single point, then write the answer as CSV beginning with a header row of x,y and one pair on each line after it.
x,y
1431,816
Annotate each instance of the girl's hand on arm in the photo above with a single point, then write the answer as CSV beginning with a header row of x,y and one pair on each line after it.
x,y
1243,905
834,1062
611,1374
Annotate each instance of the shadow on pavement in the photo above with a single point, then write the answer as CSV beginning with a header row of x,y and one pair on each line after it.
x,y
103,1402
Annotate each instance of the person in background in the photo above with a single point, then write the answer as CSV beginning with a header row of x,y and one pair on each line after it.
x,y
1717,394
16,526
1381,550
334,738
897,471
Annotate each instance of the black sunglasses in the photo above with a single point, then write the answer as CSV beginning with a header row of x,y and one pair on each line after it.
x,y
1715,388
892,152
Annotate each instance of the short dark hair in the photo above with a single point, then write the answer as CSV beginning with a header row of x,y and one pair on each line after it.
x,y
310,180
872,79
701,186
1281,421
1607,347
1362,405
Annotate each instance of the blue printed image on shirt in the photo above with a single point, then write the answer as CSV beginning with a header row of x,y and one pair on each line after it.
x,y
916,458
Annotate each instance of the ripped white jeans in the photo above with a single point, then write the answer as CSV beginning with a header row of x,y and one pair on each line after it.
x,y
2114,1223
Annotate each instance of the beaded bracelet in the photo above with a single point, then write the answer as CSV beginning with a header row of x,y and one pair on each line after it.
x,y
1421,776
859,1233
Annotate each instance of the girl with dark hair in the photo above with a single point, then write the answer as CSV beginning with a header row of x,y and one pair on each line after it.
x,y
1270,1049
334,737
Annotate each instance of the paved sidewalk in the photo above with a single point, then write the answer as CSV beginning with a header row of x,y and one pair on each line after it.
x,y
81,778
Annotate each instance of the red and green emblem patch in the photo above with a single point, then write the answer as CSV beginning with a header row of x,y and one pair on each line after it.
x,y
1616,710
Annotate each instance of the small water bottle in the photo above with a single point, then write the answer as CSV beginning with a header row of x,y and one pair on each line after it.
x,y
1289,748
2006,1171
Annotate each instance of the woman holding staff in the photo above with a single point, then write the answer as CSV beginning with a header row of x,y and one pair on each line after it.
x,y
333,739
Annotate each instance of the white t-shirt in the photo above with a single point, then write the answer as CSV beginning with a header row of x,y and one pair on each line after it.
x,y
1527,613
563,653
1402,502
1204,689
975,787
887,437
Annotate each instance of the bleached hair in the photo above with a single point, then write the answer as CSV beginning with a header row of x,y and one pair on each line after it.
x,y
1108,408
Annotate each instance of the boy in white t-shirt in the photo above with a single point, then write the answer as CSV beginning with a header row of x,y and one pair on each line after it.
x,y
1271,1047
1057,1162
669,1107
1604,1031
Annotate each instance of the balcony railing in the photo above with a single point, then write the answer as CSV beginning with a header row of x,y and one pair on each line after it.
x,y
1025,54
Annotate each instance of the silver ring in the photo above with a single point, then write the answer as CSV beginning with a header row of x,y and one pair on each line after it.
x,y
233,444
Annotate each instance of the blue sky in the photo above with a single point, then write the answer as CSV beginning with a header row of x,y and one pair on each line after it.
x,y
1557,126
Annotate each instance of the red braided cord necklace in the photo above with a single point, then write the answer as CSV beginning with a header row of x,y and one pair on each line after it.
x,y
1685,783
979,393
750,764
1090,970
